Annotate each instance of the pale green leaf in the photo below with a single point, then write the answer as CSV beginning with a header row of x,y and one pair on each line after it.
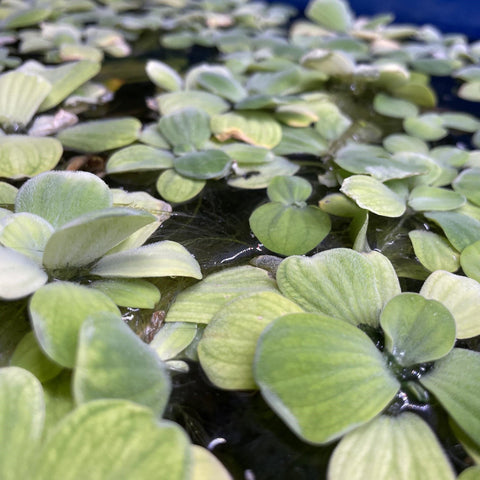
x,y
470,91
209,103
173,338
289,190
390,448
57,312
423,198
332,123
161,259
467,184
394,107
203,165
461,121
245,154
7,193
200,302
470,261
399,142
227,348
332,14
138,158
472,473
461,295
206,466
458,372
344,381
426,127
339,204
223,84
301,140
177,188
163,76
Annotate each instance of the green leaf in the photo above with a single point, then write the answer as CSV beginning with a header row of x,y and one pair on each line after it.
x,y
471,473
289,190
223,84
393,448
461,121
371,194
177,188
139,158
209,103
29,356
301,140
109,439
227,348
417,330
344,380
399,142
203,165
340,205
289,229
458,372
423,198
173,338
394,107
200,302
60,197
101,135
256,128
470,91
143,201
71,245
340,283
27,16
129,292
112,362
186,129
27,234
22,412
19,275
426,127
332,14
21,96
160,259
433,251
470,261
332,123
467,184
7,193
461,295
163,76
242,153
26,156
206,466
461,230
57,312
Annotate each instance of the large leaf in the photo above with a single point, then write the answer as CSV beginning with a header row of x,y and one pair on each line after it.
x,y
161,259
91,235
372,195
112,439
139,158
206,466
340,283
60,197
20,96
112,362
200,302
57,312
461,295
227,347
417,330
22,413
289,229
256,128
27,234
471,473
101,135
19,275
390,448
26,156
321,375
454,381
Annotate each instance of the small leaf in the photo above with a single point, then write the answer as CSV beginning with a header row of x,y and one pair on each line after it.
x,y
394,107
461,295
139,158
186,129
340,205
433,251
373,195
19,275
399,142
470,261
101,135
129,292
113,439
227,348
426,127
22,411
344,380
458,372
206,466
467,184
209,103
161,259
470,91
57,312
163,76
409,449
203,165
29,356
340,283
289,190
26,156
7,193
256,128
423,198
332,123
461,121
173,338
301,140
72,246
200,302
177,188
242,153
112,362
471,473
417,330
332,14
21,96
288,229
222,84
60,197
